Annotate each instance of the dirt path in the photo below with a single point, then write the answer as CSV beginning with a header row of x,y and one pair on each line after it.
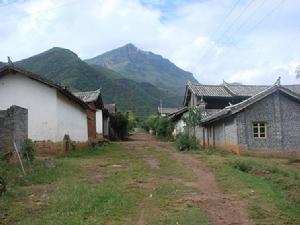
x,y
220,208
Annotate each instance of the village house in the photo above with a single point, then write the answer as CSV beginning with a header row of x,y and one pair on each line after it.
x,y
246,117
176,118
95,116
108,110
53,111
165,112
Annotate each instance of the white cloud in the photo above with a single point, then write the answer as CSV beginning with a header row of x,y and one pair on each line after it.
x,y
90,28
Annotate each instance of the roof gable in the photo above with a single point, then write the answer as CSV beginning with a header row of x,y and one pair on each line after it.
x,y
233,109
88,96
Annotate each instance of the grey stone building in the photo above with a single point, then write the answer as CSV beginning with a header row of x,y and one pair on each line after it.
x,y
246,117
13,129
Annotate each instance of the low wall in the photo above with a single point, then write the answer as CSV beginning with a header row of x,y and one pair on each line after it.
x,y
49,148
13,128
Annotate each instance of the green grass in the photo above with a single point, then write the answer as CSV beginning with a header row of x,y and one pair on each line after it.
x,y
269,186
109,184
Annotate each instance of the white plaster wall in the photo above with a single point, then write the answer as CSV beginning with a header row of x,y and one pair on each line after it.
x,y
179,127
99,122
71,120
39,99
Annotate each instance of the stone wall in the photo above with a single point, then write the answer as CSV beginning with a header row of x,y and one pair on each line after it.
x,y
282,117
13,128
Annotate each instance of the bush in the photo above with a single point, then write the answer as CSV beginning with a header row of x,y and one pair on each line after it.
x,y
119,125
184,142
161,126
132,121
28,150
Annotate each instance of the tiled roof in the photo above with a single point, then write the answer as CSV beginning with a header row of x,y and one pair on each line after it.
x,y
167,110
210,90
178,114
233,90
88,96
233,109
111,108
245,90
294,88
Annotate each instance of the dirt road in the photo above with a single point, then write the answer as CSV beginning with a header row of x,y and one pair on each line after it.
x,y
220,208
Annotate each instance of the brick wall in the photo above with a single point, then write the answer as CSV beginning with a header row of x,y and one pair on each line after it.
x,y
13,128
91,115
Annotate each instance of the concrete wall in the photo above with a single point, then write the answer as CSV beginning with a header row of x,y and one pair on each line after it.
x,y
99,122
13,128
71,120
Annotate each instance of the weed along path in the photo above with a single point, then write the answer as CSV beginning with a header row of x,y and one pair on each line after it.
x,y
218,208
143,181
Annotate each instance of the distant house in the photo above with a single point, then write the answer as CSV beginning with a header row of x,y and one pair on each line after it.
x,y
177,119
95,117
250,117
53,111
108,110
165,112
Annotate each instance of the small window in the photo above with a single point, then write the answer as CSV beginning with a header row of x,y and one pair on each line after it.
x,y
260,130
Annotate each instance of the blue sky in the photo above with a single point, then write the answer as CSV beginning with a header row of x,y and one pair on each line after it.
x,y
247,41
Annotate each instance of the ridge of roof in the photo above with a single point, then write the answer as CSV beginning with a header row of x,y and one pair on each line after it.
x,y
88,96
233,109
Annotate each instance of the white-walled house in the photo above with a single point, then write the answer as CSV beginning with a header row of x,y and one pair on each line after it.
x,y
177,119
94,100
53,111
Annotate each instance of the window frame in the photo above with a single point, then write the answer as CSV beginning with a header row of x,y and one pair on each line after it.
x,y
259,125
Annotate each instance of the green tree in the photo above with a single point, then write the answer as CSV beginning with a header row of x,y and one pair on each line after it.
x,y
194,118
132,121
28,150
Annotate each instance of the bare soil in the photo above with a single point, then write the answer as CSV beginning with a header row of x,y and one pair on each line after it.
x,y
221,209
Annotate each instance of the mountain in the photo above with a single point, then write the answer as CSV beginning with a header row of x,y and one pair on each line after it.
x,y
140,65
2,64
64,66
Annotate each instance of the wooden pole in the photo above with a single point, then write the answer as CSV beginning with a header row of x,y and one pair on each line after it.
x,y
20,160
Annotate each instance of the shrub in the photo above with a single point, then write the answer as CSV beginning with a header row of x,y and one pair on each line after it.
x,y
132,121
185,142
28,150
242,165
119,125
161,126
164,127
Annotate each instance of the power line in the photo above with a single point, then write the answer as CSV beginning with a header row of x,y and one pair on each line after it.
x,y
228,28
239,16
247,19
219,27
267,14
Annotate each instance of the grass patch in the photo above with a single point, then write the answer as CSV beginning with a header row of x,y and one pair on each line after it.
x,y
269,186
100,185
97,150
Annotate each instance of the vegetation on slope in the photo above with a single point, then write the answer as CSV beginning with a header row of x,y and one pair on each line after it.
x,y
64,66
144,66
